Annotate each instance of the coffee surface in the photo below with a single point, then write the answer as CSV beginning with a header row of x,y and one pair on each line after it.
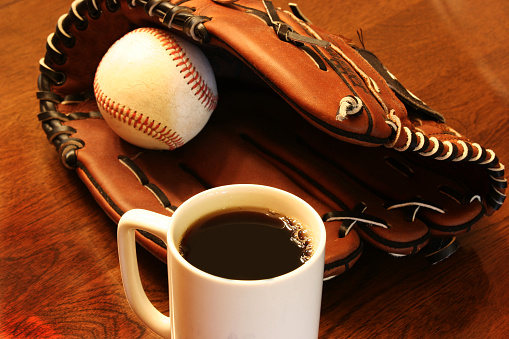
x,y
246,245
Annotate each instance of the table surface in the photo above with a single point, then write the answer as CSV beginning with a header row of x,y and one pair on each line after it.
x,y
59,272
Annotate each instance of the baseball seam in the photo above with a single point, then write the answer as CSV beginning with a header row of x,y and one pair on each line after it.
x,y
187,69
137,120
144,123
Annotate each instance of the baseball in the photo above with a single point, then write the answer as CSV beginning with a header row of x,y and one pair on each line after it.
x,y
155,90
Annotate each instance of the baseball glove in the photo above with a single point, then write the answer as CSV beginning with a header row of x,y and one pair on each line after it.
x,y
299,108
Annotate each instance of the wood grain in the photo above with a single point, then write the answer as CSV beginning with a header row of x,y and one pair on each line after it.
x,y
59,274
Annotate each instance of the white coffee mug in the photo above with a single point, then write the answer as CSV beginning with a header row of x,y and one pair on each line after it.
x,y
204,306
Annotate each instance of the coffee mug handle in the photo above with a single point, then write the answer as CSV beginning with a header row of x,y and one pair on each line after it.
x,y
156,224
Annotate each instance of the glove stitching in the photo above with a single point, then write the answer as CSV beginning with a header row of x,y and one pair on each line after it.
x,y
370,83
483,157
158,193
178,17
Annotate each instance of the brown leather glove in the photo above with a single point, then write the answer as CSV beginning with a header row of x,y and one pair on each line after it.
x,y
300,109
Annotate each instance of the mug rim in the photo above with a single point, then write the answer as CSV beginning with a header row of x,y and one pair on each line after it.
x,y
317,255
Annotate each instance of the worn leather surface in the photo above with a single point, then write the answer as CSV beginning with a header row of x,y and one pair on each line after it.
x,y
419,176
255,137
285,67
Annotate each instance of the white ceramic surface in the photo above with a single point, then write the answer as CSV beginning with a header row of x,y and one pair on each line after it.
x,y
203,306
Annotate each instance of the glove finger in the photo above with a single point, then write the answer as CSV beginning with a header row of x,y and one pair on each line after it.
x,y
422,189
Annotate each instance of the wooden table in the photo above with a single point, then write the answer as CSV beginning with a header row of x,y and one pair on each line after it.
x,y
59,272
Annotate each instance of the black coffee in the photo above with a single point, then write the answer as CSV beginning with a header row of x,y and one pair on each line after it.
x,y
246,245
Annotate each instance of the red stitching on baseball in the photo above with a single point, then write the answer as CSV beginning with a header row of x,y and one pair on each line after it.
x,y
143,123
206,96
137,120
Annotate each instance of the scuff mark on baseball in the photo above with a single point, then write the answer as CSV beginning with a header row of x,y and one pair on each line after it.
x,y
155,90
